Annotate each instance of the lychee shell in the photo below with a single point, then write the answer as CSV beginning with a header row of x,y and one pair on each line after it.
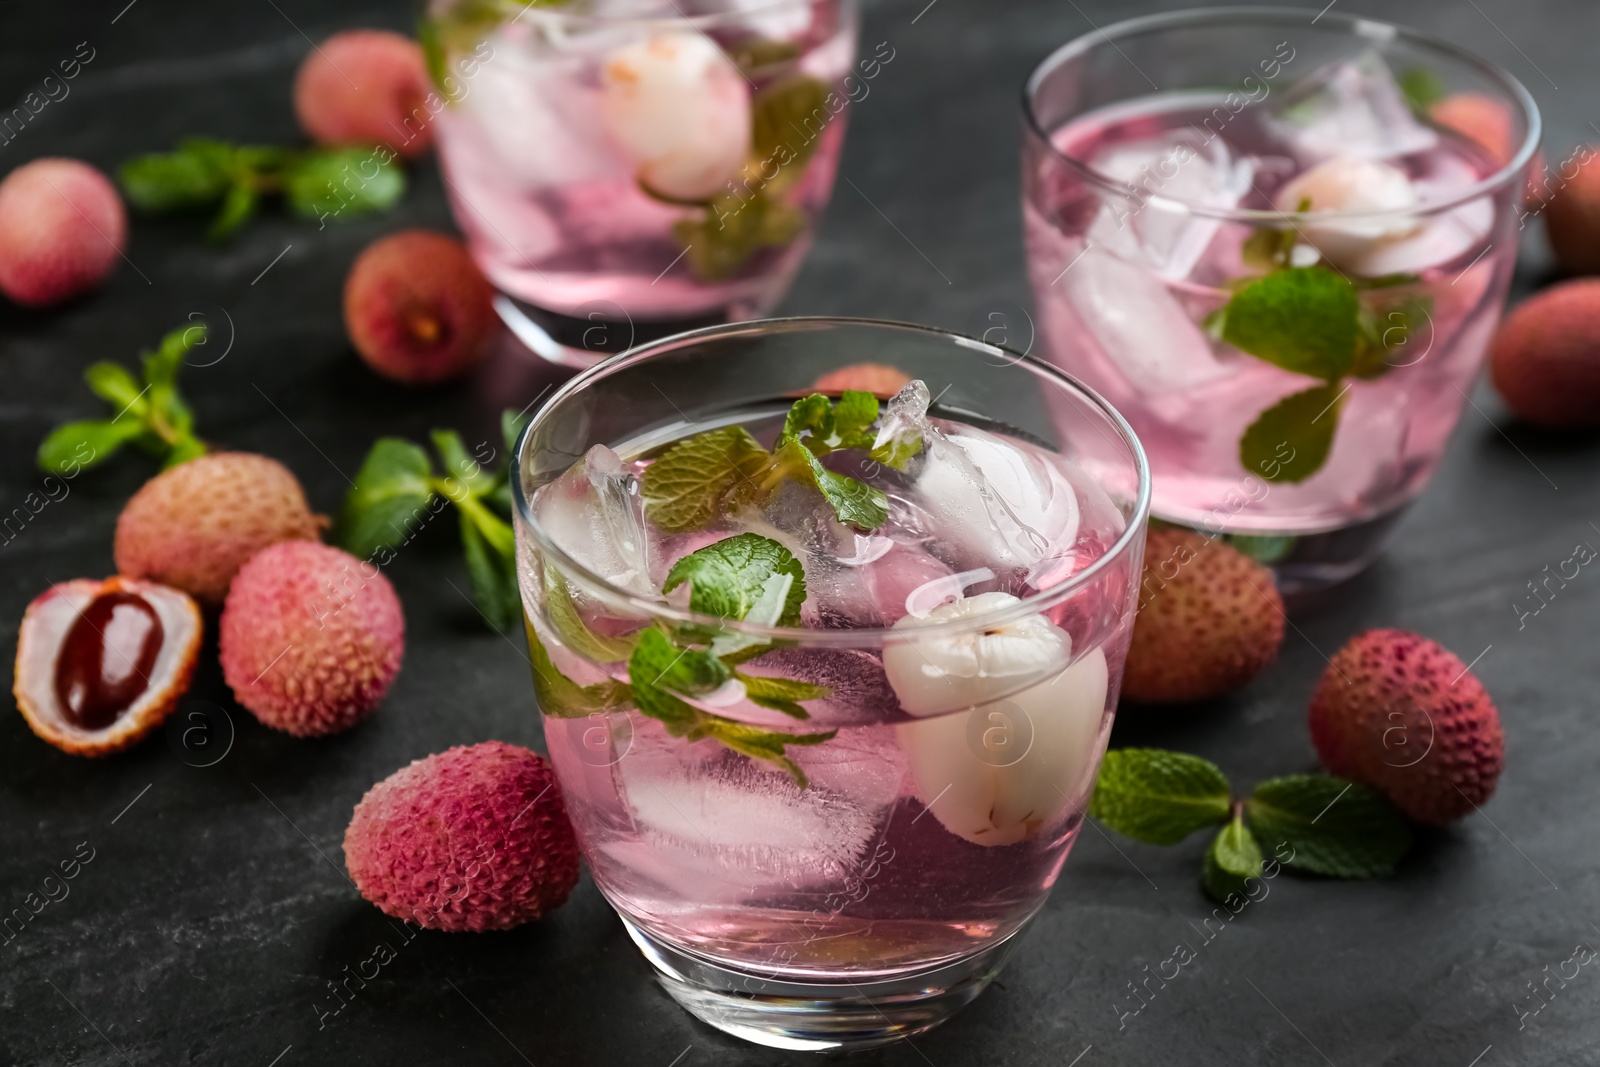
x,y
1545,360
1404,715
311,638
473,838
62,229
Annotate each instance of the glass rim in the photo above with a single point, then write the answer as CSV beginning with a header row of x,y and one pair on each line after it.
x,y
1372,29
1132,533
705,20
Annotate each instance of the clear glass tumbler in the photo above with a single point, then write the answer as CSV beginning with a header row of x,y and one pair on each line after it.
x,y
825,823
1279,242
649,163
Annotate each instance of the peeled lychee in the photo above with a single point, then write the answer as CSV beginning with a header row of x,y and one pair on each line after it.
x,y
102,663
365,87
473,838
1545,361
62,227
1210,619
194,525
311,638
1572,218
879,378
1405,716
418,309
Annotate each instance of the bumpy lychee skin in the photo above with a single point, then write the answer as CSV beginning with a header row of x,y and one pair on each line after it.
x,y
193,526
1545,361
1210,619
1405,716
311,638
1572,217
879,378
365,87
418,309
473,838
62,228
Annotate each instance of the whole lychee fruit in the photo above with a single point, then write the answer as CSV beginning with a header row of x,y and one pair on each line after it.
x,y
102,663
311,638
1572,217
879,378
1488,123
1210,619
194,525
473,838
365,87
1545,361
62,227
418,309
1405,716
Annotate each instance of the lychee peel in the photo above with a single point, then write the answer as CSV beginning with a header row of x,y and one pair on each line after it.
x,y
311,638
1545,361
1210,619
62,228
365,87
473,838
1404,715
193,526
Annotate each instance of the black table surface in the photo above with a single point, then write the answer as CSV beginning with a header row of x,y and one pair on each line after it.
x,y
214,913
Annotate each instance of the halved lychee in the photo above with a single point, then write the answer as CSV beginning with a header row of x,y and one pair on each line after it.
x,y
102,663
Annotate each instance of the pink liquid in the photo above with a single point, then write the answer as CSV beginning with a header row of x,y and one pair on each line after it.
x,y
551,204
1132,327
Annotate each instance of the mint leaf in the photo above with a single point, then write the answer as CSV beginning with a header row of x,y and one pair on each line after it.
x,y
512,424
494,577
728,578
854,503
1334,826
112,383
685,487
765,745
161,366
1157,796
1267,249
1302,319
731,229
389,499
659,672
1389,328
781,694
778,116
754,53
853,416
570,627
341,183
561,697
76,446
813,413
183,451
1421,87
1290,441
1232,857
238,208
195,176
459,464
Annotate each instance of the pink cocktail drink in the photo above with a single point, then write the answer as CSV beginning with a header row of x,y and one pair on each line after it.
x,y
826,683
644,161
1288,287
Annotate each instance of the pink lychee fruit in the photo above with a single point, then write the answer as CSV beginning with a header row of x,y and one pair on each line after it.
x,y
1545,361
473,838
62,228
365,87
311,638
879,378
1488,123
418,309
1402,714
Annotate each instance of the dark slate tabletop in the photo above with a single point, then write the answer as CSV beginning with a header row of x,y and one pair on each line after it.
x,y
214,912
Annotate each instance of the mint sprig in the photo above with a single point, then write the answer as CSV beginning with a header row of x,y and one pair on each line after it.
x,y
150,412
729,577
1328,825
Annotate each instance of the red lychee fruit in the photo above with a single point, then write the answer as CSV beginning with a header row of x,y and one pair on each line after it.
x,y
1488,123
417,308
62,228
1405,716
1572,217
102,663
473,838
1545,361
1210,619
365,87
879,378
194,525
311,638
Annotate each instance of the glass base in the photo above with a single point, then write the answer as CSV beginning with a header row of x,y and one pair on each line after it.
x,y
818,1016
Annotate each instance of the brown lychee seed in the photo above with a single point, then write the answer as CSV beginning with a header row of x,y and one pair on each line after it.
x,y
100,664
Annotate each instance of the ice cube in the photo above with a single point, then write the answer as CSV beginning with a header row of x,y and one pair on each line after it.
x,y
1353,107
593,512
859,692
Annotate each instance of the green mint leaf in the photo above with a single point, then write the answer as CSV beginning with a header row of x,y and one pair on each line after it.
x,y
854,503
512,424
1157,796
342,183
494,577
1390,328
781,694
1267,249
1232,857
564,616
778,130
561,697
1303,319
238,208
895,446
853,416
161,366
659,673
112,383
1290,441
757,53
389,500
76,446
731,229
183,450
728,578
459,463
197,175
813,413
765,745
1421,87
1334,826
685,487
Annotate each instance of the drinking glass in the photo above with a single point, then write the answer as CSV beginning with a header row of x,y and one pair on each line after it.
x,y
877,883
1279,242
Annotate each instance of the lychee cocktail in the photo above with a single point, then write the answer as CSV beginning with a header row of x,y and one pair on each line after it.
x,y
1282,260
649,161
827,674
